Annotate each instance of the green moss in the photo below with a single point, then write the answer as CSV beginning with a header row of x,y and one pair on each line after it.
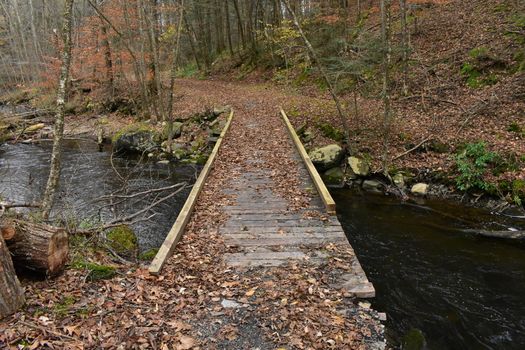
x,y
518,191
479,52
63,307
122,239
133,128
96,271
414,340
148,255
331,132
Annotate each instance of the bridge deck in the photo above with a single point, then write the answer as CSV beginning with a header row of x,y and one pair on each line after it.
x,y
264,231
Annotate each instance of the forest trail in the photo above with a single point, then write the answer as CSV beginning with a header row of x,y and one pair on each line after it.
x,y
265,227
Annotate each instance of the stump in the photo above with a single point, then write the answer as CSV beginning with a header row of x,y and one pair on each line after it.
x,y
37,247
11,292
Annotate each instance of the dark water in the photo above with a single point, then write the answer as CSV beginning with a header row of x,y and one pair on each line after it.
x,y
460,291
87,175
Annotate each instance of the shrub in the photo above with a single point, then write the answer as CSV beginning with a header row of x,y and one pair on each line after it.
x,y
472,164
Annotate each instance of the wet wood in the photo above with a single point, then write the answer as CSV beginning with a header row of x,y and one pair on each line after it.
x,y
11,292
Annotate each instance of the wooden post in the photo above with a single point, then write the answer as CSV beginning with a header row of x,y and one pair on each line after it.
x,y
11,292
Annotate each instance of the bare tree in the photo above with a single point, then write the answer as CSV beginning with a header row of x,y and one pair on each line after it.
x,y
387,57
315,59
56,155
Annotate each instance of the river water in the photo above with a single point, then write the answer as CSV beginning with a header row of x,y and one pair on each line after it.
x,y
431,278
88,175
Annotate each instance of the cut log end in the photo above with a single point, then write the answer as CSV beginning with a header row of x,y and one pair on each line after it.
x,y
58,252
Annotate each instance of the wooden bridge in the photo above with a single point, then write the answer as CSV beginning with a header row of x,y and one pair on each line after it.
x,y
264,225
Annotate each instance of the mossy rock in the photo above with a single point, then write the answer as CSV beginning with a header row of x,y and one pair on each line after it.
x,y
331,132
138,137
148,255
123,240
96,271
334,176
175,132
414,340
327,157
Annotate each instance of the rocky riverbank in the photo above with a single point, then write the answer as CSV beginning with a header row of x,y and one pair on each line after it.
x,y
340,170
191,137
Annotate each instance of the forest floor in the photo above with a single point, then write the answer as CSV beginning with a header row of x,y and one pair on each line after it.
x,y
286,307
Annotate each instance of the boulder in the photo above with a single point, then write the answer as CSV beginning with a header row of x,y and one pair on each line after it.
x,y
334,176
420,189
176,131
372,186
399,180
359,166
327,157
137,138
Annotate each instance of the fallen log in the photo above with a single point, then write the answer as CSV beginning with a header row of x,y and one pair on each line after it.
x,y
37,247
11,292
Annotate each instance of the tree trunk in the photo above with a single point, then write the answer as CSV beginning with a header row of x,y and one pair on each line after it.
x,y
37,247
404,39
174,66
387,53
11,292
56,155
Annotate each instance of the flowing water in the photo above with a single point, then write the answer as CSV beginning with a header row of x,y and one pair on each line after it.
x,y
431,278
88,175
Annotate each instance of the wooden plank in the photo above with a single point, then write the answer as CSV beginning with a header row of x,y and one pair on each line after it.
x,y
175,234
277,229
285,241
263,236
316,178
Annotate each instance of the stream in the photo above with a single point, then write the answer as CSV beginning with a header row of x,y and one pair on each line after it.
x,y
87,175
432,279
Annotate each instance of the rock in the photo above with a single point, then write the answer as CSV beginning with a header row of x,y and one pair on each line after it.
x,y
334,176
399,180
122,239
163,162
359,166
372,186
35,127
137,138
327,157
230,304
216,128
414,340
176,130
179,151
307,136
220,110
420,189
